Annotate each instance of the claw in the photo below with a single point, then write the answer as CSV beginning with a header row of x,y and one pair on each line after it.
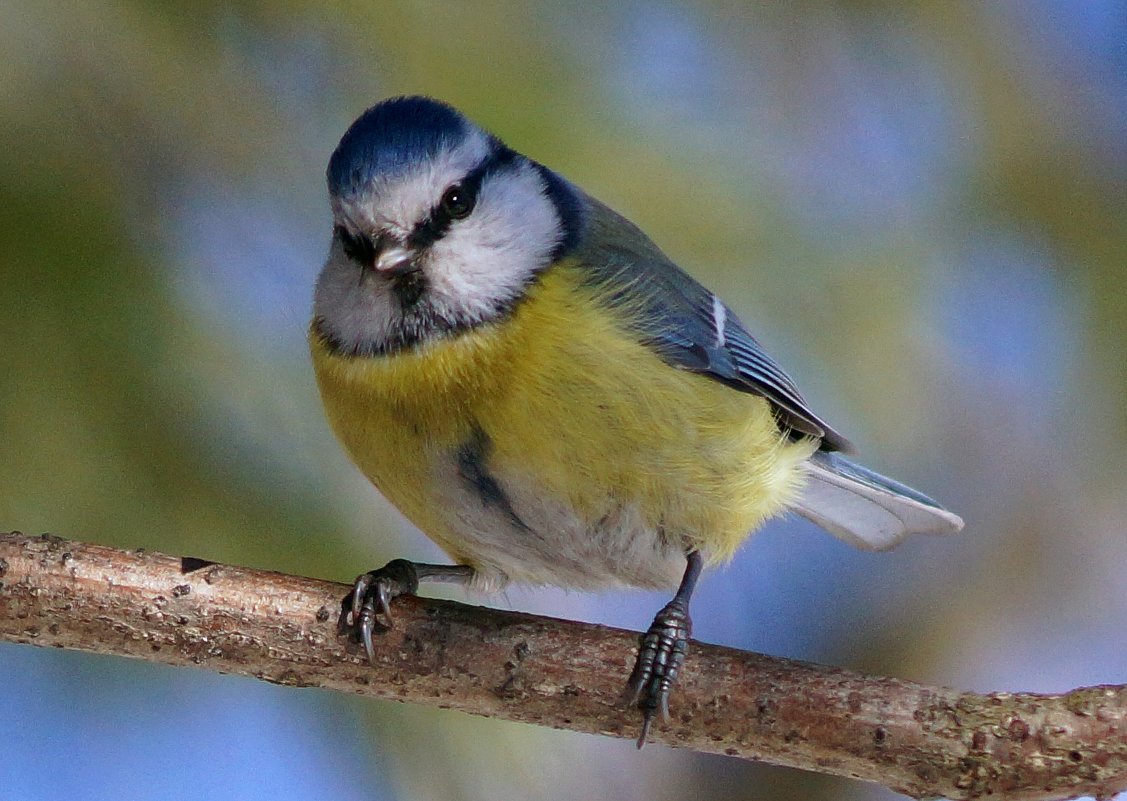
x,y
367,623
662,652
647,719
368,606
660,656
383,602
359,592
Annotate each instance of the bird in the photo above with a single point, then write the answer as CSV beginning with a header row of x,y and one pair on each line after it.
x,y
537,387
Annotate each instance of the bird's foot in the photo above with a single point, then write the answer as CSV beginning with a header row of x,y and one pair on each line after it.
x,y
660,657
369,602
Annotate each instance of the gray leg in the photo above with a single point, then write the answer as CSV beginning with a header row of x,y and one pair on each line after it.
x,y
662,652
373,592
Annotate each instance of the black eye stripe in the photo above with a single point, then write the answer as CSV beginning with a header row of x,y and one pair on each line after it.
x,y
358,247
439,219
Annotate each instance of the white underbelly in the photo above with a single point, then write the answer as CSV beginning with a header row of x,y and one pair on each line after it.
x,y
524,535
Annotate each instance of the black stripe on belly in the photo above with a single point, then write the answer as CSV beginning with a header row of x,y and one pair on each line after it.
x,y
471,457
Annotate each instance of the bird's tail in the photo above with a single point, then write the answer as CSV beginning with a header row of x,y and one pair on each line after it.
x,y
866,509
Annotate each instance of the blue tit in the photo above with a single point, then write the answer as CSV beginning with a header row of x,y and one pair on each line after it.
x,y
538,388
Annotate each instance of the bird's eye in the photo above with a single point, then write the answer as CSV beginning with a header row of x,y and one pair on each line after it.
x,y
457,202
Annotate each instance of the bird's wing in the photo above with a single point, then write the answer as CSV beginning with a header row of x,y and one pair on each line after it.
x,y
689,326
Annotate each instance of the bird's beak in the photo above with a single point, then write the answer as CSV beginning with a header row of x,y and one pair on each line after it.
x,y
392,258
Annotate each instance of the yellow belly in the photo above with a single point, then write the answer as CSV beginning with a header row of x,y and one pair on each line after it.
x,y
580,416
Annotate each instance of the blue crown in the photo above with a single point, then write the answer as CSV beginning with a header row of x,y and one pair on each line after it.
x,y
391,136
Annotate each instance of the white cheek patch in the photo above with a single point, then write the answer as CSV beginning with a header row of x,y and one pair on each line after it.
x,y
357,311
488,258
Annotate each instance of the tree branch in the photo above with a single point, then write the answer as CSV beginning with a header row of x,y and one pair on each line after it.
x,y
921,741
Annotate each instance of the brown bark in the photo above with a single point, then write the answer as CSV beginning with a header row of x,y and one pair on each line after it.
x,y
921,741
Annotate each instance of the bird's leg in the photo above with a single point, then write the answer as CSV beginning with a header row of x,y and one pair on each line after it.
x,y
662,652
371,596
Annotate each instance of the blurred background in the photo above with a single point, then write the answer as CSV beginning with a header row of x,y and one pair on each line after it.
x,y
919,207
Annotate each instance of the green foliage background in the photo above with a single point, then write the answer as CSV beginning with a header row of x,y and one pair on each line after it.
x,y
162,218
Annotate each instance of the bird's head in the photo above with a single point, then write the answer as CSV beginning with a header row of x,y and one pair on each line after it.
x,y
438,226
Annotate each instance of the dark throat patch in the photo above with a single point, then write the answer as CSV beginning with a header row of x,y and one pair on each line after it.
x,y
409,287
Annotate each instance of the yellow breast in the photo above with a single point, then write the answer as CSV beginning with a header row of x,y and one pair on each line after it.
x,y
572,402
